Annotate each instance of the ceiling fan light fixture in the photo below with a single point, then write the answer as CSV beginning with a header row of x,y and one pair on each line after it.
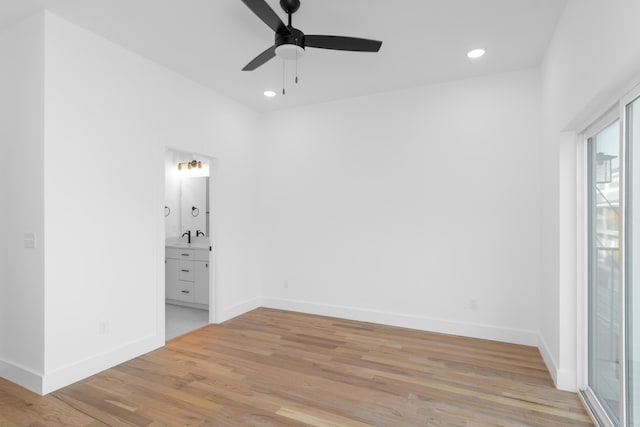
x,y
269,93
289,51
476,53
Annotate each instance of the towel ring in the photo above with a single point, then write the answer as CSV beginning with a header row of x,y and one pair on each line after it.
x,y
167,211
195,211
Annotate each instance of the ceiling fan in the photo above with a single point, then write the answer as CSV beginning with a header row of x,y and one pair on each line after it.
x,y
290,42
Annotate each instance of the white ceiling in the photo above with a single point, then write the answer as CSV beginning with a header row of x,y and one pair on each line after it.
x,y
209,41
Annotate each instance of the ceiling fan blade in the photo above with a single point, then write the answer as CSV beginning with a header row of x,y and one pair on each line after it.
x,y
261,59
343,43
268,16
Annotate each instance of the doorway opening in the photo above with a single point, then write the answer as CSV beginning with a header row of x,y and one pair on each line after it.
x,y
189,242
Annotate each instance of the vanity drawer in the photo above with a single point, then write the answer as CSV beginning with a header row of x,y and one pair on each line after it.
x,y
186,271
177,253
182,291
201,255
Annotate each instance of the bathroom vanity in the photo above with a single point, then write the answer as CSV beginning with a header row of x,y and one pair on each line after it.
x,y
187,274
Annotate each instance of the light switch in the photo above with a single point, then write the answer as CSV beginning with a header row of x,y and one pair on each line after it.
x,y
30,240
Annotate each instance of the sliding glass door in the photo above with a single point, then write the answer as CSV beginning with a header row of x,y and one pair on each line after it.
x,y
632,296
612,390
605,269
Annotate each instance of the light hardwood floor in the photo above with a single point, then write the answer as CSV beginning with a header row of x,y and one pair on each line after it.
x,y
276,368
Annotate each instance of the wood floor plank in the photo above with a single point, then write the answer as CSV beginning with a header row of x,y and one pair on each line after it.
x,y
278,368
19,407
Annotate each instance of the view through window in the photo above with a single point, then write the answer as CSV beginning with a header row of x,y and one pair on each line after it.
x,y
604,274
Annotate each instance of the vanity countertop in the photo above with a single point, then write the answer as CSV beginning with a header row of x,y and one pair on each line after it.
x,y
202,246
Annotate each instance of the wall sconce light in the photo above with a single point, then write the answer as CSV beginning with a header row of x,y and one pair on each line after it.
x,y
190,165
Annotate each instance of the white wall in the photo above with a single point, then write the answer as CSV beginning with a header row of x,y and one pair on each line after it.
x,y
194,195
4,145
4,134
173,222
592,60
21,270
402,207
109,117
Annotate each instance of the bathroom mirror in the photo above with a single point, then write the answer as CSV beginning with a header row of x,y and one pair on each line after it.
x,y
186,200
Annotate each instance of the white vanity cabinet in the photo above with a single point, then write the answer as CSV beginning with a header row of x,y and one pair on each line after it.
x,y
201,282
175,288
187,276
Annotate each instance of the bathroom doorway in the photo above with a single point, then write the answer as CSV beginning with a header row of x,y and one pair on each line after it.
x,y
189,257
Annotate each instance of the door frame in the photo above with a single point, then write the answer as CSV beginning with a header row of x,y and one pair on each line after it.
x,y
619,112
590,401
214,308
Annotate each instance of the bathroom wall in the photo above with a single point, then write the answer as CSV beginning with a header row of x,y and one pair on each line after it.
x,y
193,194
173,222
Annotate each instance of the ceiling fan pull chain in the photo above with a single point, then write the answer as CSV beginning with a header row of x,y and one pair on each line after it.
x,y
296,60
283,81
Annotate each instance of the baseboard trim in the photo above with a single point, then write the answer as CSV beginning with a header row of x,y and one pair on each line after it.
x,y
62,377
70,374
562,378
548,359
187,304
238,309
473,330
566,380
22,376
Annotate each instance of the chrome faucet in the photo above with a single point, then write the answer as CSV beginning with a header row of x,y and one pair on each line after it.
x,y
199,233
188,234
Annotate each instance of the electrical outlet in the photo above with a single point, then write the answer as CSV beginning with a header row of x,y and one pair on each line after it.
x,y
29,240
473,303
285,284
103,327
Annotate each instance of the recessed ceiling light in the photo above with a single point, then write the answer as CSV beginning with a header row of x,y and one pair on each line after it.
x,y
476,53
269,93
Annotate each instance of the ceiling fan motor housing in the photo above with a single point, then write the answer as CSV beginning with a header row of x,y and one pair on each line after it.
x,y
296,37
290,6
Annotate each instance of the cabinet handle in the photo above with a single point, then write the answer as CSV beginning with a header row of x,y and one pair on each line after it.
x,y
185,271
185,292
185,254
206,265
